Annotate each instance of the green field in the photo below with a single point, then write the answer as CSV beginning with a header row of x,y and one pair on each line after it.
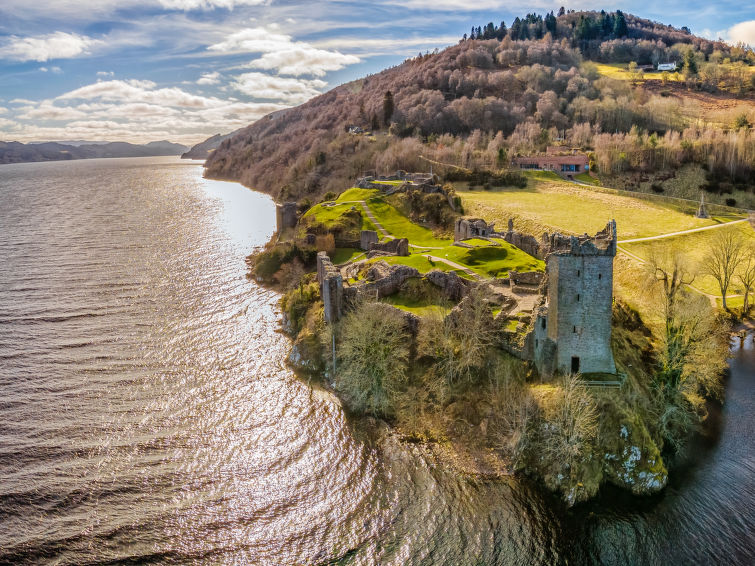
x,y
400,226
357,194
333,216
549,204
693,247
342,255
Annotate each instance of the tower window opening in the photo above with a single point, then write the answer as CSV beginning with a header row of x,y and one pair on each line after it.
x,y
600,276
577,297
575,364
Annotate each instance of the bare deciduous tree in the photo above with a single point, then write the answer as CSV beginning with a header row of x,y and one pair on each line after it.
x,y
672,272
746,276
459,342
725,254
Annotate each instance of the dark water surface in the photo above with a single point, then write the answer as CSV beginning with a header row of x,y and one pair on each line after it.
x,y
146,415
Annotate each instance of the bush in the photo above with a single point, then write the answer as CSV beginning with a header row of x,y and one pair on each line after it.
x,y
296,303
731,202
325,243
267,263
373,358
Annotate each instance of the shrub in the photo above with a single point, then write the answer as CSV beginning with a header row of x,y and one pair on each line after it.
x,y
731,202
325,243
372,358
296,303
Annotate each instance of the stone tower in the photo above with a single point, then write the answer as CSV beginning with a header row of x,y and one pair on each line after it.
x,y
573,327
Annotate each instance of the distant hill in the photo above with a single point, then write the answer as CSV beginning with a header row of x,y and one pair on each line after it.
x,y
577,79
15,152
202,150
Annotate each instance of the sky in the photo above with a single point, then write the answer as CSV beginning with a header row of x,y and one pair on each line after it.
x,y
183,70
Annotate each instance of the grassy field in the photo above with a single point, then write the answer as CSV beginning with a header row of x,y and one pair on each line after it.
x,y
550,203
400,226
342,255
491,261
332,216
357,194
693,247
620,71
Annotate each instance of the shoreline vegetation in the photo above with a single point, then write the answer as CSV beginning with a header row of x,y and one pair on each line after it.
x,y
434,369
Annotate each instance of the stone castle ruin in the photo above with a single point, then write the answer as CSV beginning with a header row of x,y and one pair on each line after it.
x,y
566,322
572,326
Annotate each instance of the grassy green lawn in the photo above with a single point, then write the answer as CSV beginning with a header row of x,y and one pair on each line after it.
x,y
400,226
550,203
335,215
342,255
491,261
477,242
417,306
357,194
693,247
327,215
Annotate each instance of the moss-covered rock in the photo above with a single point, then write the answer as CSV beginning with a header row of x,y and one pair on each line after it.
x,y
630,457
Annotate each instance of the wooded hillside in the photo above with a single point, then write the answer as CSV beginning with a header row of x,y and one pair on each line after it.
x,y
481,102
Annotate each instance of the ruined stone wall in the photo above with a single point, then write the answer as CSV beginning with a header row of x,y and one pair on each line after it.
x,y
526,243
367,237
397,246
286,216
331,287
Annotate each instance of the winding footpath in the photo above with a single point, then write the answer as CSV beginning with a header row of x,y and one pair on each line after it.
x,y
682,233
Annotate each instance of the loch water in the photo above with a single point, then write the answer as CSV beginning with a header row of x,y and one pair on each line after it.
x,y
147,415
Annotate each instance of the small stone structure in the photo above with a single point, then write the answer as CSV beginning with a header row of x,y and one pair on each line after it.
x,y
366,238
286,216
396,246
702,212
465,228
331,287
572,330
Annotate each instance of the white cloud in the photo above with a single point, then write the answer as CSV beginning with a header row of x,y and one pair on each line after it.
x,y
58,45
209,4
3,110
252,40
136,91
303,59
292,91
209,78
47,111
105,74
280,53
56,70
743,32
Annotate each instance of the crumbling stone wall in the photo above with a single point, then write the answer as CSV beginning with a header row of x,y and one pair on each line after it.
x,y
286,216
367,237
331,287
397,246
465,228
